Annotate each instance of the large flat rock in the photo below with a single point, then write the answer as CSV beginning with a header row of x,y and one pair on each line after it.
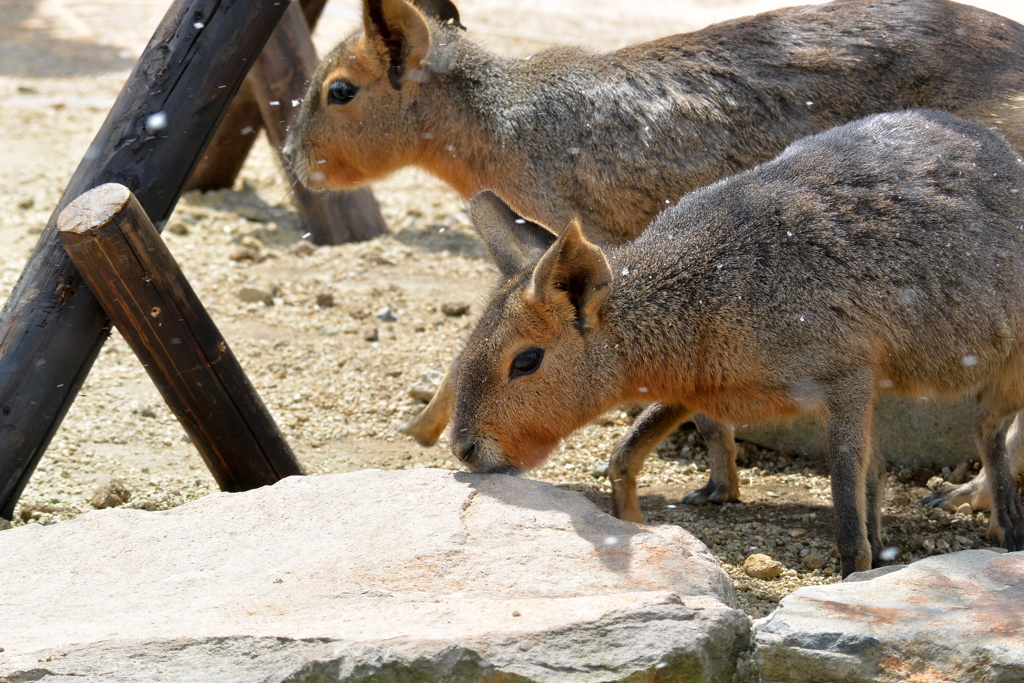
x,y
953,618
910,432
418,575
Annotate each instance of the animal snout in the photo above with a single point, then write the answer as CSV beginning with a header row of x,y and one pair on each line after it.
x,y
467,452
288,152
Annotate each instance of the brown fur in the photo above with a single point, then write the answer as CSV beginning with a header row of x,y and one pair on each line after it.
x,y
610,137
886,254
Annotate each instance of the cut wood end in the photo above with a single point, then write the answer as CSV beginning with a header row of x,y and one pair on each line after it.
x,y
94,209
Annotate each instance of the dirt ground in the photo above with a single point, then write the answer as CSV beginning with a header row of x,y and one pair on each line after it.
x,y
338,396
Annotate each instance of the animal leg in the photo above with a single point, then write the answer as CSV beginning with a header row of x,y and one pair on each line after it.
x,y
977,491
629,454
990,427
848,431
724,484
874,492
428,426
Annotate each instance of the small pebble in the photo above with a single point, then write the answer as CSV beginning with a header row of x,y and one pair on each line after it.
x,y
371,334
959,475
302,248
422,392
110,493
600,470
26,204
244,254
387,315
965,509
936,483
252,295
325,300
814,561
761,566
177,228
798,532
920,475
454,309
427,386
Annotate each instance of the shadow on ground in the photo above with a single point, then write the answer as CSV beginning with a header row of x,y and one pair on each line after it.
x,y
29,48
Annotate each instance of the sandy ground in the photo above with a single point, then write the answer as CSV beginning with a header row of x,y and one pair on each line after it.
x,y
337,396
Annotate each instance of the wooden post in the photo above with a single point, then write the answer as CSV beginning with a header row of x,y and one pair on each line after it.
x,y
129,269
226,153
51,327
278,79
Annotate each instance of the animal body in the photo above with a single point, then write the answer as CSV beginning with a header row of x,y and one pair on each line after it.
x,y
883,255
612,138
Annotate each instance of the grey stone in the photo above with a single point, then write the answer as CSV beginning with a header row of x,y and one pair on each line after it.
x,y
387,315
417,575
952,618
910,432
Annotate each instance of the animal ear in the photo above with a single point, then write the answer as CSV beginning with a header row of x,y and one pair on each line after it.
x,y
574,270
402,34
515,243
442,11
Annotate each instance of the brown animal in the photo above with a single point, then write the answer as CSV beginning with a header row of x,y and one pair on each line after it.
x,y
614,137
883,255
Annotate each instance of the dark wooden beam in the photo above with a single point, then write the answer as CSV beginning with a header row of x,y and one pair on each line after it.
x,y
278,79
51,327
236,134
131,272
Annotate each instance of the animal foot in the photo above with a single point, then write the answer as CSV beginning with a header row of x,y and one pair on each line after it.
x,y
710,493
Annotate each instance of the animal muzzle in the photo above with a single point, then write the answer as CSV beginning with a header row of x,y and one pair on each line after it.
x,y
480,455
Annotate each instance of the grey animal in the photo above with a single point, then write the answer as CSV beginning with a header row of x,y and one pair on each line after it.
x,y
883,255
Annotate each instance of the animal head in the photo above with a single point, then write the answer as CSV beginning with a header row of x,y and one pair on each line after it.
x,y
540,362
359,119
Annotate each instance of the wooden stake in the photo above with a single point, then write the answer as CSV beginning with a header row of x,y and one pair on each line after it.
x,y
51,327
141,287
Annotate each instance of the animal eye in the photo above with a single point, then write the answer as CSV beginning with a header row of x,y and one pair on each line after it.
x,y
341,92
526,362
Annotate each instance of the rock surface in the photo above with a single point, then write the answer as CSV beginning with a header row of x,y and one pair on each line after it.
x,y
953,618
910,432
385,576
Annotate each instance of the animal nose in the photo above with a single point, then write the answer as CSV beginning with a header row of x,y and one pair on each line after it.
x,y
467,452
288,152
